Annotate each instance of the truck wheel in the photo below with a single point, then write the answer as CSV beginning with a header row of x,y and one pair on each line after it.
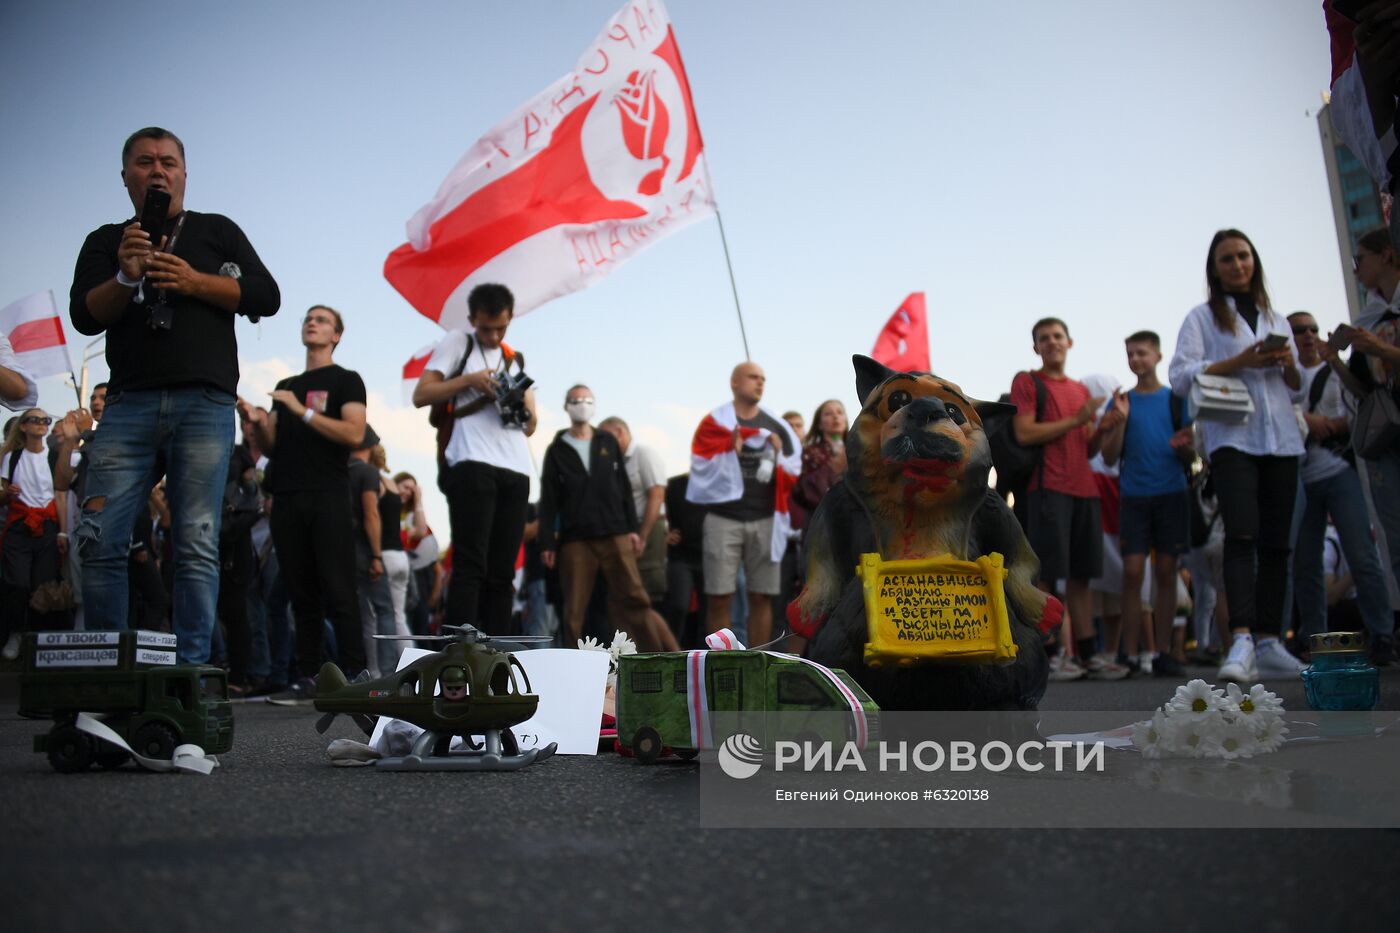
x,y
110,758
155,740
70,750
646,745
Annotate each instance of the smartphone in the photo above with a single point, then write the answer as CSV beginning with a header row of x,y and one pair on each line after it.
x,y
1341,338
153,213
1273,343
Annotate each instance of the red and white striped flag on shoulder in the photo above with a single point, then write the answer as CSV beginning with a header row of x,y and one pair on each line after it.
x,y
600,165
35,332
716,476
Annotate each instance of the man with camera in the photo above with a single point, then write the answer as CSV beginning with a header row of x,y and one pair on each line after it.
x,y
317,418
166,292
483,412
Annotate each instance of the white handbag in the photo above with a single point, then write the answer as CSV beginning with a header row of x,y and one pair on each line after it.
x,y
1222,399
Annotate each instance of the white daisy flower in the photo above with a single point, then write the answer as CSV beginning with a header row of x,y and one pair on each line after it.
x,y
590,644
1150,736
621,645
1196,699
1236,740
1198,738
1261,700
1269,734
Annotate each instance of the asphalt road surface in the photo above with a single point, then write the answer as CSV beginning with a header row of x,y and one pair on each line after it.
x,y
277,839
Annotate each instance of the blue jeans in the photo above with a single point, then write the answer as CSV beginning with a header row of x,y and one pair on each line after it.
x,y
1340,496
186,435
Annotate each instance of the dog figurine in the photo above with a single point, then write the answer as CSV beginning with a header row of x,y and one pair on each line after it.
x,y
916,487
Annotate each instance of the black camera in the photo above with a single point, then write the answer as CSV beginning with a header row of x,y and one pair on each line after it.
x,y
510,397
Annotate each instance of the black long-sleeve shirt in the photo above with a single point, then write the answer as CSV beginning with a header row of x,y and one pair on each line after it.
x,y
200,347
578,504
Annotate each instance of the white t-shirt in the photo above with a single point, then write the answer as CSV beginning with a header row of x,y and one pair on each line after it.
x,y
645,469
480,436
33,477
1320,463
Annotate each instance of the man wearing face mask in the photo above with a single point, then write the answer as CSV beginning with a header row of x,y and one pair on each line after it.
x,y
588,525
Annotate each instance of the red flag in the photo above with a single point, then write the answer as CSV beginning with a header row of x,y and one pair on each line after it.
x,y
903,344
604,162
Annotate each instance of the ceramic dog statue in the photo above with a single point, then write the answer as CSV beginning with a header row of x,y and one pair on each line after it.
x,y
916,487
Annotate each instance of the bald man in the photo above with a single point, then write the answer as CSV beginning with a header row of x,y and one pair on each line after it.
x,y
744,460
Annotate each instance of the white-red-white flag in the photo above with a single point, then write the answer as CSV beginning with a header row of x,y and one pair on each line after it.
x,y
606,161
413,371
36,336
716,475
903,344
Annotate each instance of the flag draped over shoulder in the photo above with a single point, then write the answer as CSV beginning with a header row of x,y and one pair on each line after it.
x,y
602,163
35,332
903,343
715,474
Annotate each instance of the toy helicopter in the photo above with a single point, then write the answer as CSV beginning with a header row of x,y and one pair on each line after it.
x,y
467,689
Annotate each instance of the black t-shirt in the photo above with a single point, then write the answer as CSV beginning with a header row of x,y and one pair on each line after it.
x,y
305,459
757,500
1244,304
390,507
363,478
200,347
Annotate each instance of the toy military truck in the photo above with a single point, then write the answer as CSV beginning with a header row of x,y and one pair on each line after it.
x,y
132,680
664,701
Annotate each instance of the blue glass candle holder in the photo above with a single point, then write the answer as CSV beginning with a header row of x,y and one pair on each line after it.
x,y
1341,676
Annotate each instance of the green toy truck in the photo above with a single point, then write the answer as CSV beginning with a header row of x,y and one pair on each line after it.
x,y
132,680
665,701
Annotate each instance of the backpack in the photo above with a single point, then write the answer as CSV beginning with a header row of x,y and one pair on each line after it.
x,y
1338,444
1016,463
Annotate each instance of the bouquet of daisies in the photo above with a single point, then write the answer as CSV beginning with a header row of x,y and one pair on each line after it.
x,y
621,645
1202,721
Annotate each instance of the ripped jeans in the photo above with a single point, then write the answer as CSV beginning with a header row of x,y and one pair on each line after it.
x,y
185,435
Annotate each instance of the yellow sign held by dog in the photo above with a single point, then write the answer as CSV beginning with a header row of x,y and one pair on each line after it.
x,y
935,609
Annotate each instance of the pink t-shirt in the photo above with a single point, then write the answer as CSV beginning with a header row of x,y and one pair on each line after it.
x,y
1066,459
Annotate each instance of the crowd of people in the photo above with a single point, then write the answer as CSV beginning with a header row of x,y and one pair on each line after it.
x,y
292,542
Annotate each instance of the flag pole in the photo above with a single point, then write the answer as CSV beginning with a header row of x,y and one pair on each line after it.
x,y
733,285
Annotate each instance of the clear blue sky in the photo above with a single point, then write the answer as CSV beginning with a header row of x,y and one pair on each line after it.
x,y
1012,160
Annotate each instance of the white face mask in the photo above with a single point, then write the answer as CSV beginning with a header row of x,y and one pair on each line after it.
x,y
580,410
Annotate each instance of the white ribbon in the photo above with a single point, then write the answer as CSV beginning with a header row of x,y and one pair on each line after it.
x,y
190,758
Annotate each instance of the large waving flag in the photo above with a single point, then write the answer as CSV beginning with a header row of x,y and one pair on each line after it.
x,y
715,474
604,162
413,371
1351,108
36,335
903,344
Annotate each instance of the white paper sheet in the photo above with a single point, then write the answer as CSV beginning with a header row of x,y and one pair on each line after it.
x,y
570,685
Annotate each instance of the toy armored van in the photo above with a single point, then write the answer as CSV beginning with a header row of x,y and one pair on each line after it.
x,y
669,701
130,679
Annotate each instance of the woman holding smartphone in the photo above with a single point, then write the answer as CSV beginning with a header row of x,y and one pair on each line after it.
x,y
1255,464
1375,367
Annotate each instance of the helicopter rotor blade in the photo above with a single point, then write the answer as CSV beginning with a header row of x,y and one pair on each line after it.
x,y
416,637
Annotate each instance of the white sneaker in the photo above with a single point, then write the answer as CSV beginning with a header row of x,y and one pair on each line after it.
x,y
1103,666
1064,667
1239,663
1145,662
12,647
1274,660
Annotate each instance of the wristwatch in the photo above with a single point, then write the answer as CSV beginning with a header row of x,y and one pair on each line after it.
x,y
231,270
